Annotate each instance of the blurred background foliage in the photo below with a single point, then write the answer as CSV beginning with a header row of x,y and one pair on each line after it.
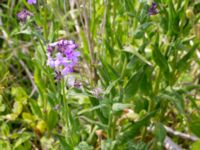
x,y
138,75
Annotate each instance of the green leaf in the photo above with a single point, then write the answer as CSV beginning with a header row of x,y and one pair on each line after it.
x,y
95,102
63,142
172,26
175,98
194,125
17,108
35,108
91,109
184,61
133,85
85,44
179,101
139,34
160,133
146,84
130,145
140,104
52,119
160,60
5,145
130,49
83,146
107,144
28,117
134,128
111,86
23,138
39,83
107,72
20,94
120,106
196,145
2,106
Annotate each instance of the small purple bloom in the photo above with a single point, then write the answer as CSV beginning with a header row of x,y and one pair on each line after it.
x,y
50,49
22,15
62,57
32,2
58,75
153,9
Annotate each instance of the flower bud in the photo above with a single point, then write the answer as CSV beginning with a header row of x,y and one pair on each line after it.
x,y
189,13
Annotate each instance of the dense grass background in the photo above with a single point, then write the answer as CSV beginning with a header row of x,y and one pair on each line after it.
x,y
139,76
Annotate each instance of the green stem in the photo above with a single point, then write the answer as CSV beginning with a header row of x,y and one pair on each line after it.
x,y
66,111
152,101
45,25
156,87
144,131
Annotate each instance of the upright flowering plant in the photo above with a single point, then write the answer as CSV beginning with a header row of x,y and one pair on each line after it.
x,y
153,9
62,57
23,15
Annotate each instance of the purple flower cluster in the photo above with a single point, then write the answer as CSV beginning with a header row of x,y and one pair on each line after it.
x,y
153,9
62,57
22,15
32,2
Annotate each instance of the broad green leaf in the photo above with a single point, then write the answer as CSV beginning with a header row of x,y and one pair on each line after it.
x,y
194,125
183,62
111,86
39,83
175,98
120,106
130,145
28,117
107,144
171,21
20,94
133,84
5,130
5,145
195,145
35,108
52,119
17,108
179,102
2,106
140,104
130,49
139,34
146,84
83,146
160,133
10,116
95,102
134,128
41,126
107,72
23,138
160,60
91,109
85,44
63,142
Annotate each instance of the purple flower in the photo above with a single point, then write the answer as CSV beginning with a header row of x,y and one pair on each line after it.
x,y
22,15
58,75
32,2
62,57
153,9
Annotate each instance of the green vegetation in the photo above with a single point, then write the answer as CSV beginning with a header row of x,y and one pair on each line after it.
x,y
136,85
